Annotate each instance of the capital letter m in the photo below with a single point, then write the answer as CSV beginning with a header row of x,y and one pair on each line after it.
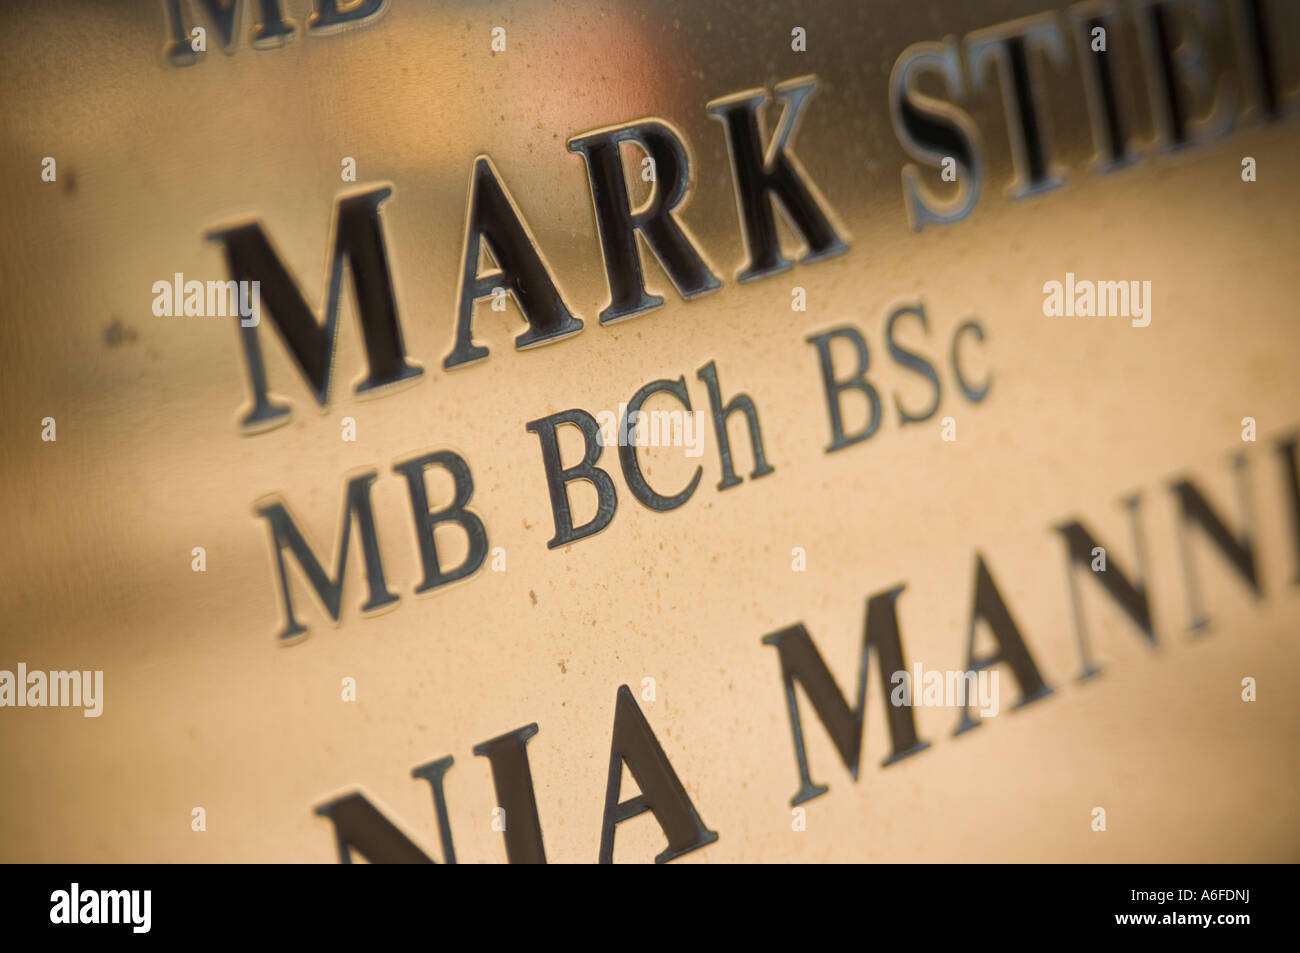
x,y
286,535
801,662
358,237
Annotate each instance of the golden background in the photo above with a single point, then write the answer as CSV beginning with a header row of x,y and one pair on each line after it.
x,y
204,708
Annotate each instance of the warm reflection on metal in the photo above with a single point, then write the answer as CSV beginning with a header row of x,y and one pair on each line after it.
x,y
325,529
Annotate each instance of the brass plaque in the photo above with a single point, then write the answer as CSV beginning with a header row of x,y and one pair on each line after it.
x,y
636,431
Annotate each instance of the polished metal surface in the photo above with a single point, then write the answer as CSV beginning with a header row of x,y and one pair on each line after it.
x,y
170,163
